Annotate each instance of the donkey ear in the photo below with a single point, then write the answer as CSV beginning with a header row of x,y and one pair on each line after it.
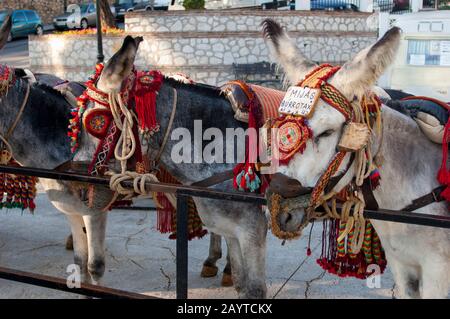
x,y
285,51
119,66
360,74
5,29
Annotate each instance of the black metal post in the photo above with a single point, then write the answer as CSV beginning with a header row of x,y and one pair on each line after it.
x,y
100,56
182,246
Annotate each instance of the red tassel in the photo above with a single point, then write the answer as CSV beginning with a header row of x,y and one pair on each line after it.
x,y
147,86
164,214
145,104
444,174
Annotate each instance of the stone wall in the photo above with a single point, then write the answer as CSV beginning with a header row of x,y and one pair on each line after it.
x,y
47,9
206,44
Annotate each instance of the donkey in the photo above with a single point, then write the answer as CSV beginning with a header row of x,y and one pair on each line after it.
x,y
419,256
40,140
243,226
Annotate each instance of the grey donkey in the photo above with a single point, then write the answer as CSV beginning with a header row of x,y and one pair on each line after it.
x,y
418,256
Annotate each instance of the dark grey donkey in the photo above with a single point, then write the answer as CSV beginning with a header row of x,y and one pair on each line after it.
x,y
243,226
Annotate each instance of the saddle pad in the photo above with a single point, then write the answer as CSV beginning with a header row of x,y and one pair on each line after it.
x,y
240,95
430,114
270,100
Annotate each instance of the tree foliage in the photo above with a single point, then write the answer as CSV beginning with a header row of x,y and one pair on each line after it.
x,y
194,4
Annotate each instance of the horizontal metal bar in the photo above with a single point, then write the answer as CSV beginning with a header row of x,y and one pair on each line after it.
x,y
46,173
408,217
61,284
381,214
138,208
153,186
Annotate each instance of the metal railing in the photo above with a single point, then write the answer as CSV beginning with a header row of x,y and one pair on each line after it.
x,y
183,193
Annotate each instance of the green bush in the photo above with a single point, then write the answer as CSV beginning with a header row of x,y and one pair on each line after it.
x,y
194,4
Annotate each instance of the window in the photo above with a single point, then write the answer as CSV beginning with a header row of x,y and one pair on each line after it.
x,y
31,16
19,17
429,52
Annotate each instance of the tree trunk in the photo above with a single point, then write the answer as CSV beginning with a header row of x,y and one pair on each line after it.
x,y
5,29
108,20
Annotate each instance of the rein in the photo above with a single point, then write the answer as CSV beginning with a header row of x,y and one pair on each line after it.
x,y
156,160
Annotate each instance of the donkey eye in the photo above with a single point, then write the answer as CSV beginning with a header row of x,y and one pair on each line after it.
x,y
323,134
326,133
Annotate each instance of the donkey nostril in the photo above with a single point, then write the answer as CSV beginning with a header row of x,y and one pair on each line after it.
x,y
288,218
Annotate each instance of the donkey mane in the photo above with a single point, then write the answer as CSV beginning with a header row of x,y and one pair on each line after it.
x,y
200,88
57,110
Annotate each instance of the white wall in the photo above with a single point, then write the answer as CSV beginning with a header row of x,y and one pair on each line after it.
x,y
429,80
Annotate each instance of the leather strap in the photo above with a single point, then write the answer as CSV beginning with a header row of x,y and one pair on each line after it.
x,y
155,162
335,180
73,166
433,197
369,198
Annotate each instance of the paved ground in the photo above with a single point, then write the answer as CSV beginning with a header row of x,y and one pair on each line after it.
x,y
15,53
142,260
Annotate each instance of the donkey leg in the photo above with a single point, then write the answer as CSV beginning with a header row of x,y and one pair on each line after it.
x,y
96,231
227,279
80,247
69,242
215,253
254,251
237,265
435,277
406,277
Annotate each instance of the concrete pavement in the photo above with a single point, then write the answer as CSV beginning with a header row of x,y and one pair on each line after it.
x,y
15,53
140,259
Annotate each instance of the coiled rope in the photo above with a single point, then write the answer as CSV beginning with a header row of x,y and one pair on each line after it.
x,y
125,149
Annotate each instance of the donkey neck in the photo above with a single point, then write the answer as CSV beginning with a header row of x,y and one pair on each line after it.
x,y
410,162
195,103
40,137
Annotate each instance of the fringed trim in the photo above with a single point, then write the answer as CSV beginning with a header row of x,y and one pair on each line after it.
x,y
444,173
147,87
20,191
338,258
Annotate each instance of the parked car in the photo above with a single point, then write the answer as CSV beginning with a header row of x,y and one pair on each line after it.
x,y
24,22
400,5
80,16
332,5
124,6
268,5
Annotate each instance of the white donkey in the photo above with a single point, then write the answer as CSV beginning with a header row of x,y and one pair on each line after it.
x,y
419,256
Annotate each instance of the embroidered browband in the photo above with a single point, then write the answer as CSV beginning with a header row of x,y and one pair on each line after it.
x,y
317,79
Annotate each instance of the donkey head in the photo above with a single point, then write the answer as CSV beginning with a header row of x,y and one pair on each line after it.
x,y
119,66
5,29
353,80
